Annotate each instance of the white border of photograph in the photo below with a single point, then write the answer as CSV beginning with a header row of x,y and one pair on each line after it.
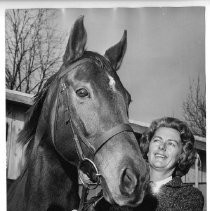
x,y
82,4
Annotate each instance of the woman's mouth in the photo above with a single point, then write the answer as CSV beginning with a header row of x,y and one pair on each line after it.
x,y
158,155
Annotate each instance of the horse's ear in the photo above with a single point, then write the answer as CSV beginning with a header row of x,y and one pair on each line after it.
x,y
116,53
77,41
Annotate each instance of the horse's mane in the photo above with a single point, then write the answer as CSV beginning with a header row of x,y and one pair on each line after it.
x,y
33,114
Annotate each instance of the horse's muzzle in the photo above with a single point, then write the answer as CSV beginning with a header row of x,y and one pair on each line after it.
x,y
128,182
133,186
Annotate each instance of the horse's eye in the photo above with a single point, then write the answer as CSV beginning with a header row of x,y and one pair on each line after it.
x,y
82,93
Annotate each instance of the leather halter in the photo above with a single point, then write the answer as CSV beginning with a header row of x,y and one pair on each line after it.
x,y
92,171
101,140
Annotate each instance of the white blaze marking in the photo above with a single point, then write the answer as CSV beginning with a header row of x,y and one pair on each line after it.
x,y
112,82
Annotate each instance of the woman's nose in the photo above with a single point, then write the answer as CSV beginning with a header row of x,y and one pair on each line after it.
x,y
162,146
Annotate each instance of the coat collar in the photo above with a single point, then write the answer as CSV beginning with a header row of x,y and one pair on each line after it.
x,y
175,182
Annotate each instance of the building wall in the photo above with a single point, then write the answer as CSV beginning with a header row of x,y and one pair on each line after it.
x,y
14,121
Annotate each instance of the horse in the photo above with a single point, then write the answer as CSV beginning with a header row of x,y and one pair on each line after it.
x,y
81,114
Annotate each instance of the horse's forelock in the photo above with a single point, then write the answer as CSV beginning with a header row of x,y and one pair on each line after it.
x,y
98,59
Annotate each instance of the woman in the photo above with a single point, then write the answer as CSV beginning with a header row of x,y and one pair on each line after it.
x,y
168,145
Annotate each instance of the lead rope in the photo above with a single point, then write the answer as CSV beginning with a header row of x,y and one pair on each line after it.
x,y
84,204
83,199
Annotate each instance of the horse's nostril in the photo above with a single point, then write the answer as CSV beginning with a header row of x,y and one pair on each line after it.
x,y
128,182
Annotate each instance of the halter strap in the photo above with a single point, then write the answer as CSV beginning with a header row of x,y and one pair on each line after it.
x,y
106,136
68,119
73,66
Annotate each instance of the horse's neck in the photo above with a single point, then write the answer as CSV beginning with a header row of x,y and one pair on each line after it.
x,y
52,176
16,193
51,181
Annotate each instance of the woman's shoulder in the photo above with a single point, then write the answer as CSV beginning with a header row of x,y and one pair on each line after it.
x,y
189,197
180,196
189,190
184,190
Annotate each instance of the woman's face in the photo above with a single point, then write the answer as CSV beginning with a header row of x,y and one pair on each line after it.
x,y
165,149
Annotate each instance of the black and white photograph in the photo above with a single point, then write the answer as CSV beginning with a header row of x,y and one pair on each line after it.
x,y
105,107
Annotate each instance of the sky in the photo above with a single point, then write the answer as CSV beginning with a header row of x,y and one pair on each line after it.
x,y
165,53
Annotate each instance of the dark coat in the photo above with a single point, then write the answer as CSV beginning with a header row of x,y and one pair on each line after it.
x,y
173,196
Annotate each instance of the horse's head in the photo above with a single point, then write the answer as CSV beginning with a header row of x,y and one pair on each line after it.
x,y
89,101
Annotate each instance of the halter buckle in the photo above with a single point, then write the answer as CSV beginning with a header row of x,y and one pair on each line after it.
x,y
89,175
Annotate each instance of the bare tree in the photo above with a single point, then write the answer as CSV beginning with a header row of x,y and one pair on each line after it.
x,y
33,48
195,109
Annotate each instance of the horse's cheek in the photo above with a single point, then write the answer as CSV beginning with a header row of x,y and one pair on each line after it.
x,y
89,117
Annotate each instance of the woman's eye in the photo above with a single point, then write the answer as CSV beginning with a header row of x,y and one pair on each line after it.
x,y
82,92
155,140
171,144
